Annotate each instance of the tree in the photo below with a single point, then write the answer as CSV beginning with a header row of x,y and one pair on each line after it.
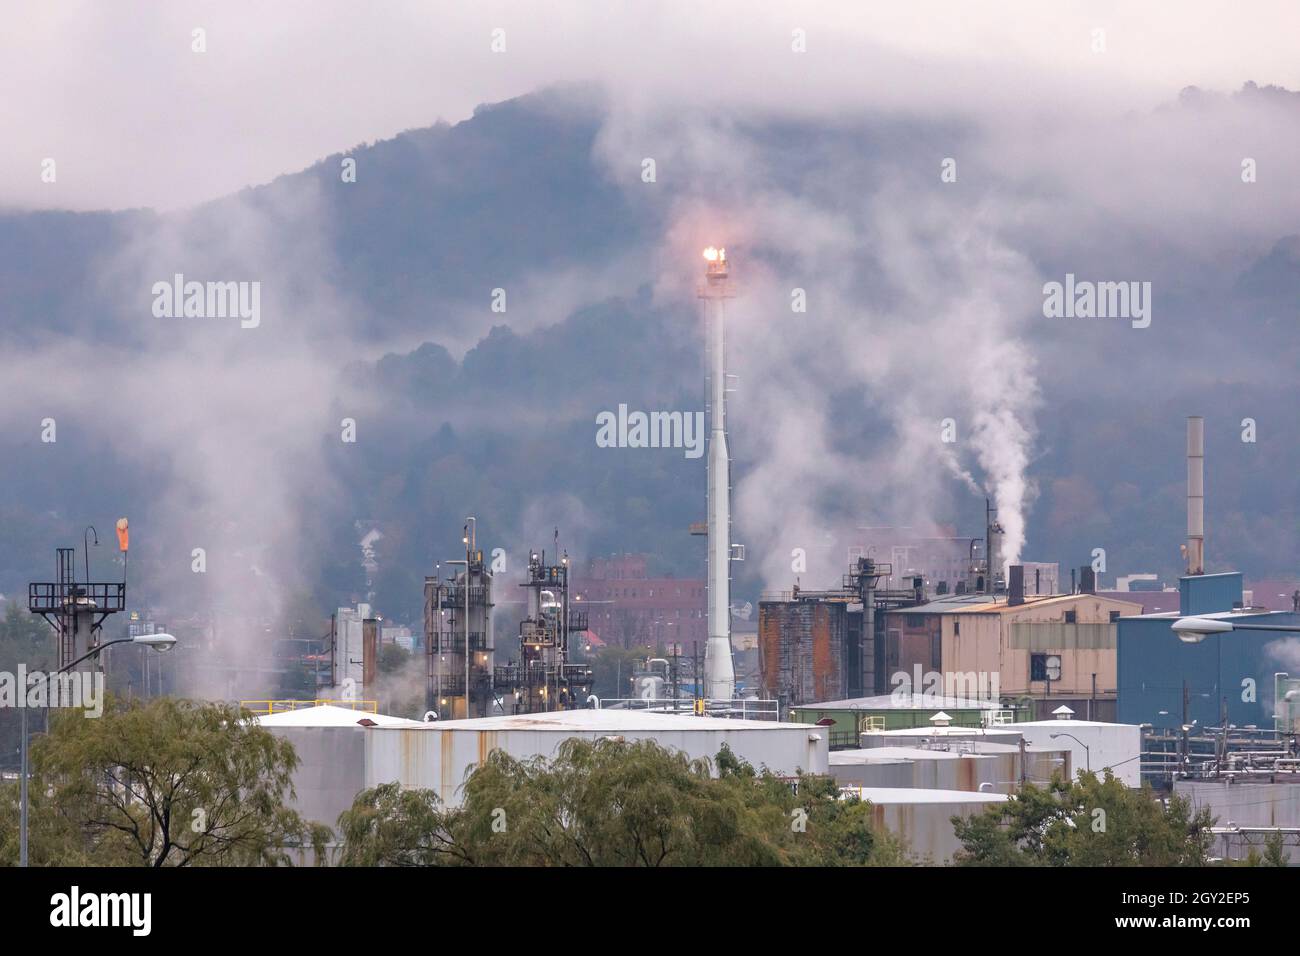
x,y
617,803
389,826
1274,851
1089,821
166,782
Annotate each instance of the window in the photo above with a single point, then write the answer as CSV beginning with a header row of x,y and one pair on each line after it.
x,y
1114,616
956,628
1038,667
1070,617
1045,667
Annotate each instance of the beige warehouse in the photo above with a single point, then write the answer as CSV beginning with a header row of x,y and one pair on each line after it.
x,y
965,636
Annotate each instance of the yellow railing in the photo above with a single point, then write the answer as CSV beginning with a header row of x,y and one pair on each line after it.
x,y
265,707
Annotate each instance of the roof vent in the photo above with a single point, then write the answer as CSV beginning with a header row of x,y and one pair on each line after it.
x,y
1063,713
941,719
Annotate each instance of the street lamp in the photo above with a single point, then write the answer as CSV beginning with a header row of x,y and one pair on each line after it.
x,y
160,642
1193,630
1087,751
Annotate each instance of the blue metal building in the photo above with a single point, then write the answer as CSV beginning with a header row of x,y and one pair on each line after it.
x,y
1236,668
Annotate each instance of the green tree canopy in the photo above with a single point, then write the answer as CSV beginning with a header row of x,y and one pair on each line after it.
x,y
166,782
1089,821
616,803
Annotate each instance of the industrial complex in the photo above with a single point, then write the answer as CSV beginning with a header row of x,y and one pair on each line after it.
x,y
933,685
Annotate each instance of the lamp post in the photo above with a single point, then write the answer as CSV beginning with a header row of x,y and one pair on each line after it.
x,y
1087,751
160,642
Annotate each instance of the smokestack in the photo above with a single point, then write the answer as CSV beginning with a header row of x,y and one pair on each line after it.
x,y
1087,580
1195,495
1016,585
995,574
369,652
719,672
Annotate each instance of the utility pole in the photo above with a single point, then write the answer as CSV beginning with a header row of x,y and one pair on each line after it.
x,y
1186,704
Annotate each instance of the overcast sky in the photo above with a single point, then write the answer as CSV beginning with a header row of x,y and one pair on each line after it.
x,y
132,116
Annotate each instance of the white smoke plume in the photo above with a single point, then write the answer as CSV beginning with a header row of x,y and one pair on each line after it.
x,y
915,308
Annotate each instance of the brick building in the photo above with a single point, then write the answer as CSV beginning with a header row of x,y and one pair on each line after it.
x,y
627,608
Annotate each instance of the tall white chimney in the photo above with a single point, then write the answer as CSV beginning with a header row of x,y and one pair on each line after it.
x,y
719,673
1195,495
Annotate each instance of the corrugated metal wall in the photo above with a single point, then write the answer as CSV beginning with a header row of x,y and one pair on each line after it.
x,y
1057,636
803,650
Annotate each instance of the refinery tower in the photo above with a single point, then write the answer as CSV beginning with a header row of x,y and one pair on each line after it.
x,y
719,674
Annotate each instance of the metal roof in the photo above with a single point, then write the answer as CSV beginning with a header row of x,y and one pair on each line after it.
x,y
902,702
895,755
989,604
1234,615
883,796
944,605
1071,722
610,721
1001,607
1005,730
327,715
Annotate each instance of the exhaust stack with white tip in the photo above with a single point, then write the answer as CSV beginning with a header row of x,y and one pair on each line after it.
x,y
719,673
1195,495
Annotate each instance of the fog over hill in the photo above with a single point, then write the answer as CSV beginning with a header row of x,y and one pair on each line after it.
x,y
924,302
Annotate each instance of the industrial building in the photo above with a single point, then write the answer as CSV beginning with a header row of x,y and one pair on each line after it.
x,y
1222,673
855,640
973,767
846,719
1169,681
1048,651
1087,745
825,645
545,677
458,644
1093,745
945,562
629,608
438,755
355,649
